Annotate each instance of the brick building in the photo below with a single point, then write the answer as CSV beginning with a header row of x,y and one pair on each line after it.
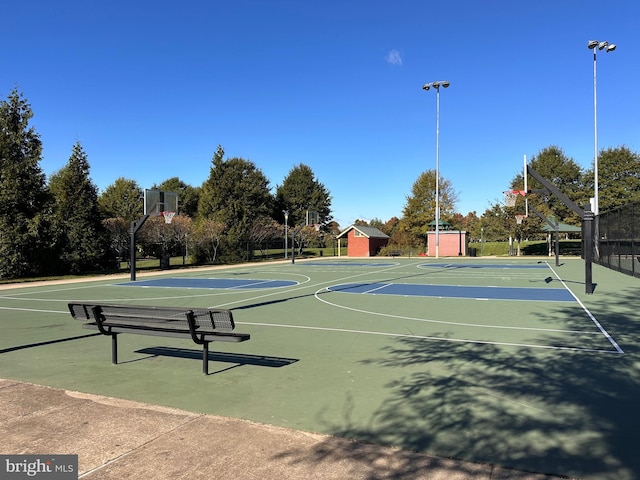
x,y
363,241
453,243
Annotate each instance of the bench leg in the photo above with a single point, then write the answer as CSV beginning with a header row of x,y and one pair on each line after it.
x,y
114,348
205,358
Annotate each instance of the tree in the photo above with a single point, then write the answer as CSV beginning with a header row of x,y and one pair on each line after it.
x,y
188,196
123,199
235,194
264,230
564,173
119,237
496,224
26,240
83,241
207,238
162,239
301,191
420,208
618,178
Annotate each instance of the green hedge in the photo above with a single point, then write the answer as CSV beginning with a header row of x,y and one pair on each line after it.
x,y
538,248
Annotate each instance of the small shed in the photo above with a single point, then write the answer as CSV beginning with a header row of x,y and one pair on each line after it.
x,y
363,241
453,243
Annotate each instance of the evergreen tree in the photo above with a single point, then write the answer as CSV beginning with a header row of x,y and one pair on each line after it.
x,y
188,196
121,199
564,173
25,202
83,243
618,178
299,192
234,195
420,209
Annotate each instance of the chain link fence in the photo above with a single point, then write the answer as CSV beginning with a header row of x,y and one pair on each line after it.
x,y
617,245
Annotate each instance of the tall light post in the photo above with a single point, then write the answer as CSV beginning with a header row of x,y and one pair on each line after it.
x,y
427,86
595,45
286,231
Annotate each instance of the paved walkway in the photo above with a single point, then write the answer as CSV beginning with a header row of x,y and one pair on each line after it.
x,y
117,439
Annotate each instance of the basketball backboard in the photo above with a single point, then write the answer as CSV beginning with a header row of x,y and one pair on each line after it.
x,y
158,201
313,218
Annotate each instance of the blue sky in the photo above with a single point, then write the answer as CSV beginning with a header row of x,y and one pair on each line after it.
x,y
150,88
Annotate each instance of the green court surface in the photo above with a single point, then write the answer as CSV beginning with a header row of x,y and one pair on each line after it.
x,y
504,361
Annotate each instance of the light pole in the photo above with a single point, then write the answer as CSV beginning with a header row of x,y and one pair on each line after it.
x,y
427,86
286,231
595,45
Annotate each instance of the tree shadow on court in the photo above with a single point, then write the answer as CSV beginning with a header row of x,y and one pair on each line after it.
x,y
550,411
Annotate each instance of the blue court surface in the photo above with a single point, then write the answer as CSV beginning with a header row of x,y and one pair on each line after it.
x,y
455,291
210,283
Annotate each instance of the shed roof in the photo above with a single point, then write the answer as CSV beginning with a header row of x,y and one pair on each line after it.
x,y
562,228
369,232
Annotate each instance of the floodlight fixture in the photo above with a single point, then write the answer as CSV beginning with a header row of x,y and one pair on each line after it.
x,y
436,85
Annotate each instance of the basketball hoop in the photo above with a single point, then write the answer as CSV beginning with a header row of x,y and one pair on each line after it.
x,y
168,216
510,197
520,218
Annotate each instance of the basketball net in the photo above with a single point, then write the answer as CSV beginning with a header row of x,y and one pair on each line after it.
x,y
510,197
168,216
520,218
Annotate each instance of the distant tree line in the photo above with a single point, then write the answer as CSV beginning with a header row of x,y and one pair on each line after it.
x,y
618,179
64,226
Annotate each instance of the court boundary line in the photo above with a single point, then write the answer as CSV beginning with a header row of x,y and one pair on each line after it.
x,y
589,314
427,337
445,322
383,285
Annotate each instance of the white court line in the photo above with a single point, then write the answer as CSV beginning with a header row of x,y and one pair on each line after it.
x,y
425,337
258,282
219,292
302,286
388,334
593,319
384,285
32,310
445,322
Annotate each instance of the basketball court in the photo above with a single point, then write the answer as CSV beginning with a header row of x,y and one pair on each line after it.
x,y
507,362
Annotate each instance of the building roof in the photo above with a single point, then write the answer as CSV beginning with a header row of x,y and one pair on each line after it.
x,y
562,227
369,232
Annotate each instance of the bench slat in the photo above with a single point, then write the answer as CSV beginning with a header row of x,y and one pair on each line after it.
x,y
210,337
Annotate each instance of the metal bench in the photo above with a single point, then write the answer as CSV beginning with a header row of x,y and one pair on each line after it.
x,y
202,325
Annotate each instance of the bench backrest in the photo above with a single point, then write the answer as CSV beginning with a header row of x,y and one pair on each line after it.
x,y
205,319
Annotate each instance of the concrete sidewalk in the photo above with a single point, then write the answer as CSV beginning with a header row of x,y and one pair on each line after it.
x,y
117,439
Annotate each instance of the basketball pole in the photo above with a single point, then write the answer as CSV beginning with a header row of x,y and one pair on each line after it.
x,y
135,226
